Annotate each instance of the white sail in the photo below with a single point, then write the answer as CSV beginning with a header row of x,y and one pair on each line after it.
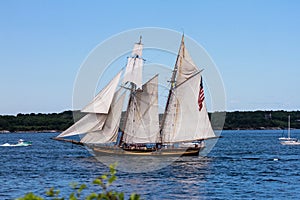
x,y
110,129
185,65
90,122
137,50
134,67
185,118
184,121
142,124
101,103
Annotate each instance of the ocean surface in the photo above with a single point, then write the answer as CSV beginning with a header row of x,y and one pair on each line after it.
x,y
248,164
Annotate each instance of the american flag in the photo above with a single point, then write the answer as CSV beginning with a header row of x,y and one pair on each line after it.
x,y
201,96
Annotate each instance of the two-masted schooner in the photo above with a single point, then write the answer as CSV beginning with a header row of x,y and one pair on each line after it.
x,y
182,129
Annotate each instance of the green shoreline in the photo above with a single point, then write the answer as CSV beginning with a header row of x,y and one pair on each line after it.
x,y
238,120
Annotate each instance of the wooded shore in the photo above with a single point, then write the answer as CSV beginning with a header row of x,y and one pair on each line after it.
x,y
57,122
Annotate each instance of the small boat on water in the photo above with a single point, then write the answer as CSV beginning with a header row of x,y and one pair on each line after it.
x,y
21,143
289,140
289,132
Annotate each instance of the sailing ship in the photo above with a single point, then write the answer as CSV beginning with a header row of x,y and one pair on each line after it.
x,y
184,125
288,131
289,140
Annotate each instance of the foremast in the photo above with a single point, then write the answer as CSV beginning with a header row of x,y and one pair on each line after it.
x,y
133,62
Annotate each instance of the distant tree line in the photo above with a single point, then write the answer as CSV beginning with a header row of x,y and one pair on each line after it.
x,y
234,120
37,122
261,120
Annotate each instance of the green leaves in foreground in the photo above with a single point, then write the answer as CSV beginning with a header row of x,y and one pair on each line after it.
x,y
103,182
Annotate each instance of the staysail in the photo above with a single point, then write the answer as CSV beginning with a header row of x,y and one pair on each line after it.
x,y
134,67
94,121
142,123
90,122
110,129
101,103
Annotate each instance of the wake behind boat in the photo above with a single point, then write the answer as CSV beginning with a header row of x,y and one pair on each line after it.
x,y
21,143
181,131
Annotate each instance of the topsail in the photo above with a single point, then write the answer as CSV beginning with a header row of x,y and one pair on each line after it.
x,y
134,68
184,64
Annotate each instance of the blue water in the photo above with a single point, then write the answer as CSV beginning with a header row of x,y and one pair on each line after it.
x,y
241,166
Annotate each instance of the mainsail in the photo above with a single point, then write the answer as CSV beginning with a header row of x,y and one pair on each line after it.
x,y
101,103
142,123
182,119
184,122
110,129
134,67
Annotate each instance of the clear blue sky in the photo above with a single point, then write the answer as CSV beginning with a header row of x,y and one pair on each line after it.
x,y
255,44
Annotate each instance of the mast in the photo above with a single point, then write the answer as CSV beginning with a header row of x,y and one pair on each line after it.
x,y
173,81
131,64
289,126
127,113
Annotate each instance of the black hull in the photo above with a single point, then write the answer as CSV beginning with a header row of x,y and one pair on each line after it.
x,y
114,150
191,151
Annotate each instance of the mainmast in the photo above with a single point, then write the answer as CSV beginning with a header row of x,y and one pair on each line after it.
x,y
173,84
183,119
289,126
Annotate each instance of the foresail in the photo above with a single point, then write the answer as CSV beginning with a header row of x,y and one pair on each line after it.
x,y
184,121
101,103
110,129
90,122
185,65
142,124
